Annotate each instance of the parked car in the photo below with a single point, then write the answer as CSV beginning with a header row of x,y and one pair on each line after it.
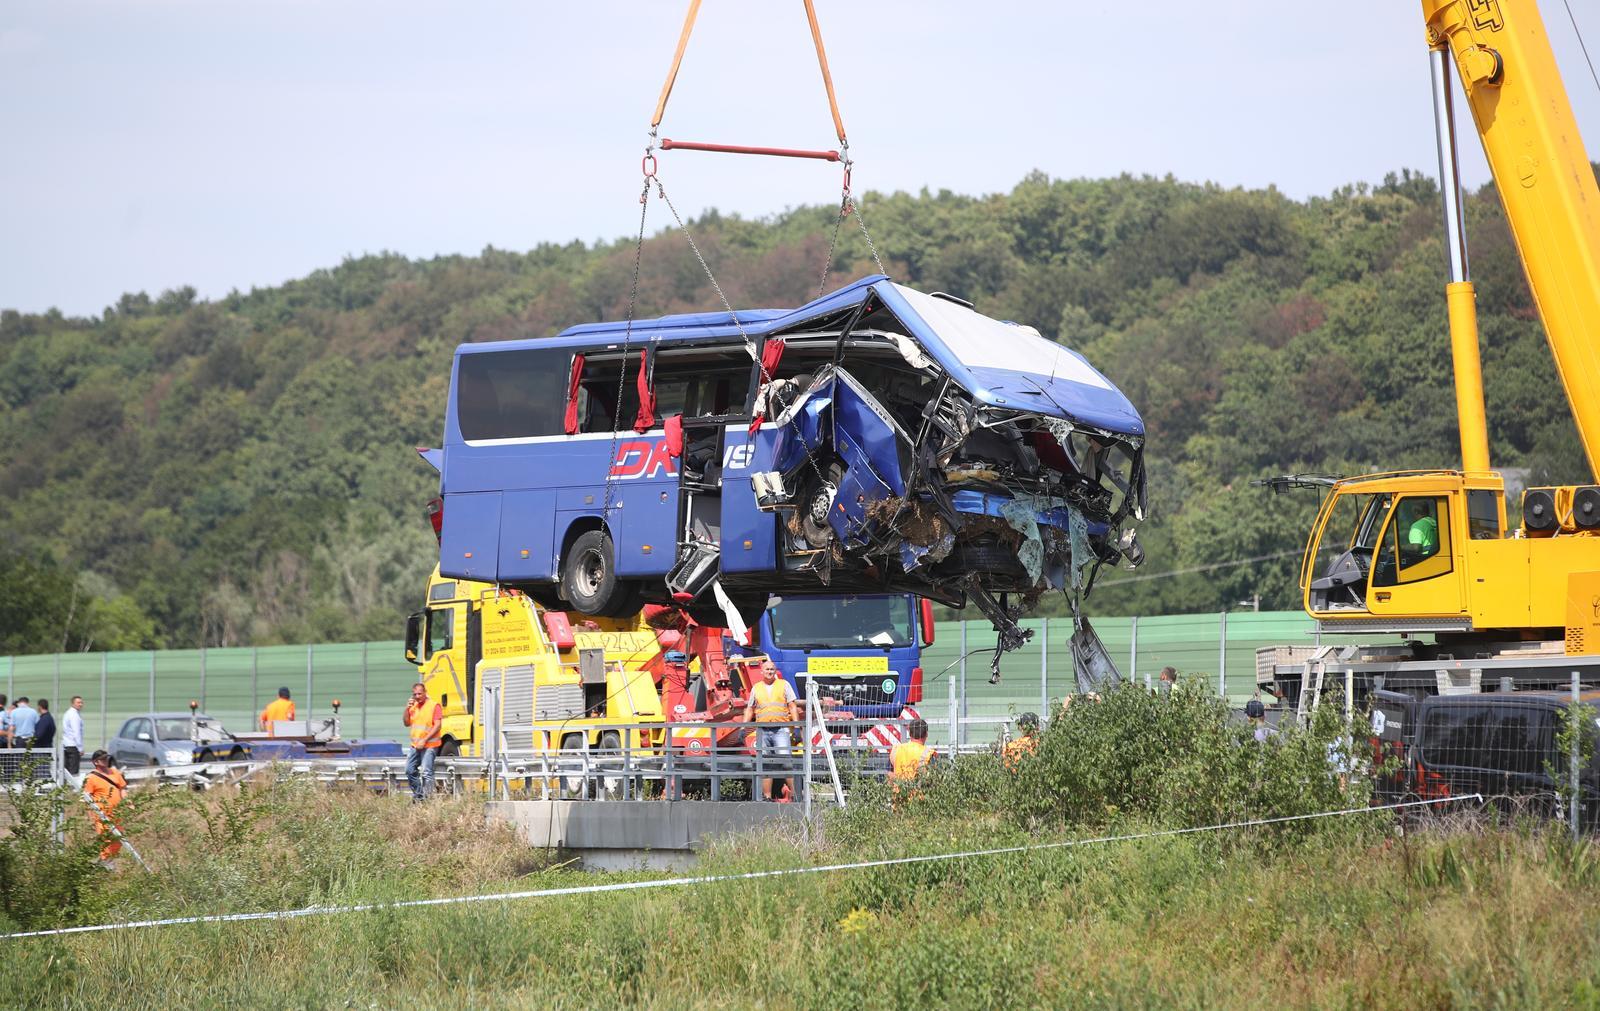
x,y
174,739
1502,745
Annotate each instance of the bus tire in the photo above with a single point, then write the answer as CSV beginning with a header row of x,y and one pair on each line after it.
x,y
589,576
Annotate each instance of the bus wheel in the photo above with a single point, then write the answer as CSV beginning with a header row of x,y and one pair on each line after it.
x,y
589,576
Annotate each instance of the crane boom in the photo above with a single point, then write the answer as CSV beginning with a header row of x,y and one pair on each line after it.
x,y
1544,178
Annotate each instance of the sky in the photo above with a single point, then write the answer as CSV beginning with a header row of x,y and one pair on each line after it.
x,y
151,144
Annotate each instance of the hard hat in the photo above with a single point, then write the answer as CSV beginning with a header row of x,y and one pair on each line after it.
x,y
675,656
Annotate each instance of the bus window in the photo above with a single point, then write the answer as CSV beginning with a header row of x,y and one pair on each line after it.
x,y
597,396
511,394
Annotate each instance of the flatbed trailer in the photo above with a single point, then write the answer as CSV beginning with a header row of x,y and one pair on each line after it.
x,y
1298,676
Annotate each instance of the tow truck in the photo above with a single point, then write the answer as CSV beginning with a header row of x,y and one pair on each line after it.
x,y
1431,552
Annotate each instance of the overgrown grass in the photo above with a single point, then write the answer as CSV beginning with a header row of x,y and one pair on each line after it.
x,y
1349,914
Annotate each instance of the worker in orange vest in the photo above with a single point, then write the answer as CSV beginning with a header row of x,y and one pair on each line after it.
x,y
425,717
280,708
910,757
1024,745
104,787
772,701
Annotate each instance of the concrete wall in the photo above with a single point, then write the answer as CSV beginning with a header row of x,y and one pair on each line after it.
x,y
629,834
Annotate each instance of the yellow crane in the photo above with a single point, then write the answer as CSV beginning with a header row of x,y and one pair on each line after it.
x,y
1422,552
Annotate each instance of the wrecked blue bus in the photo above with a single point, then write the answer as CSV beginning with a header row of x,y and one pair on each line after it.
x,y
877,440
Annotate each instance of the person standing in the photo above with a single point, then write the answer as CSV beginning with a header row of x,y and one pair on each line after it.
x,y
425,717
72,735
1024,745
910,756
104,788
1256,712
5,722
44,731
280,708
24,721
772,701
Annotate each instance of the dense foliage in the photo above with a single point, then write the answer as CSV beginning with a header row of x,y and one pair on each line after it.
x,y
240,471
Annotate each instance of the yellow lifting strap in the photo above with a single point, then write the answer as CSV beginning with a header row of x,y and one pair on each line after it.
x,y
822,63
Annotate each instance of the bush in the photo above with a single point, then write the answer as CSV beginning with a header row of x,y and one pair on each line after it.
x,y
44,882
1132,757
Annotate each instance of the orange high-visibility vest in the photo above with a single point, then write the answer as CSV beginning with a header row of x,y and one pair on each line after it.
x,y
771,701
277,709
420,718
1018,749
907,759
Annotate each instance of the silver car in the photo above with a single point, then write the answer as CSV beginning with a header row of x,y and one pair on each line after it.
x,y
173,739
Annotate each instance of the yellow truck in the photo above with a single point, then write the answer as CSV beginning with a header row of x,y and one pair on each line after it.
x,y
557,683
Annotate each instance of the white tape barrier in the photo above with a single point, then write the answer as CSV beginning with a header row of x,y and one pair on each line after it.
x,y
628,886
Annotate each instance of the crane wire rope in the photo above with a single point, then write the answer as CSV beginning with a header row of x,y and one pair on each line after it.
x,y
1581,44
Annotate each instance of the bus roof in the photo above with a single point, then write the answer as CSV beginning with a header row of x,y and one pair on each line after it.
x,y
1000,363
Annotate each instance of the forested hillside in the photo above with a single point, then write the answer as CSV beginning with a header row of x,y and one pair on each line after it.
x,y
241,471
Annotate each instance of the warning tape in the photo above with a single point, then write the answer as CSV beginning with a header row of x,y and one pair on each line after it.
x,y
707,879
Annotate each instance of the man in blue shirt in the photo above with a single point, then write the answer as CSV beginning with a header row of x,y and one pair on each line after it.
x,y
24,720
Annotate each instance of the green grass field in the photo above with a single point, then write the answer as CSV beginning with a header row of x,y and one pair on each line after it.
x,y
1342,912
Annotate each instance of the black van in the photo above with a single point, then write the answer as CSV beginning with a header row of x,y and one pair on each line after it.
x,y
1501,745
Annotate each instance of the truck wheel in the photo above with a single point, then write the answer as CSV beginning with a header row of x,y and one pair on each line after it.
x,y
449,748
610,746
589,576
574,787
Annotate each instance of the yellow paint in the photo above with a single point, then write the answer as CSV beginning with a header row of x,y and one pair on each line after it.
x,y
1462,303
1542,175
1514,584
848,665
1583,613
512,633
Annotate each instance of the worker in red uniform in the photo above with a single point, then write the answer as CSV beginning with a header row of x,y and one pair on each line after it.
x,y
425,717
104,787
280,708
910,757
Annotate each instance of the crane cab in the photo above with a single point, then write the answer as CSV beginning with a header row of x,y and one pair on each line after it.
x,y
1431,551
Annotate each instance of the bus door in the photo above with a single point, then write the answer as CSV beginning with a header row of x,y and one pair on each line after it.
x,y
700,506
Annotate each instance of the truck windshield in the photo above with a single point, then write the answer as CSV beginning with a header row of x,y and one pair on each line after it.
x,y
842,622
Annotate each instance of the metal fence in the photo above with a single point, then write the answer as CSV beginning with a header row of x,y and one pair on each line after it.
x,y
372,680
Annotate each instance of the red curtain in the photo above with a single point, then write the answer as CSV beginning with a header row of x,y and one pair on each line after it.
x,y
572,395
771,355
674,430
646,418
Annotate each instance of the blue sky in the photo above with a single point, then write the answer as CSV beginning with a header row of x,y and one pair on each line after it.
x,y
149,144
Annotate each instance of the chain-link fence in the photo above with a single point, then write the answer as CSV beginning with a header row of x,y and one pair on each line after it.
x,y
372,680
1218,649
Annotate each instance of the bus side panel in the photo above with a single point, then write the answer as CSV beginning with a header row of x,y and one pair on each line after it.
x,y
647,529
749,535
469,542
527,529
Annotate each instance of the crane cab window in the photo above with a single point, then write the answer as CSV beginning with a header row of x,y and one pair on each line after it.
x,y
441,629
1483,516
1416,542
